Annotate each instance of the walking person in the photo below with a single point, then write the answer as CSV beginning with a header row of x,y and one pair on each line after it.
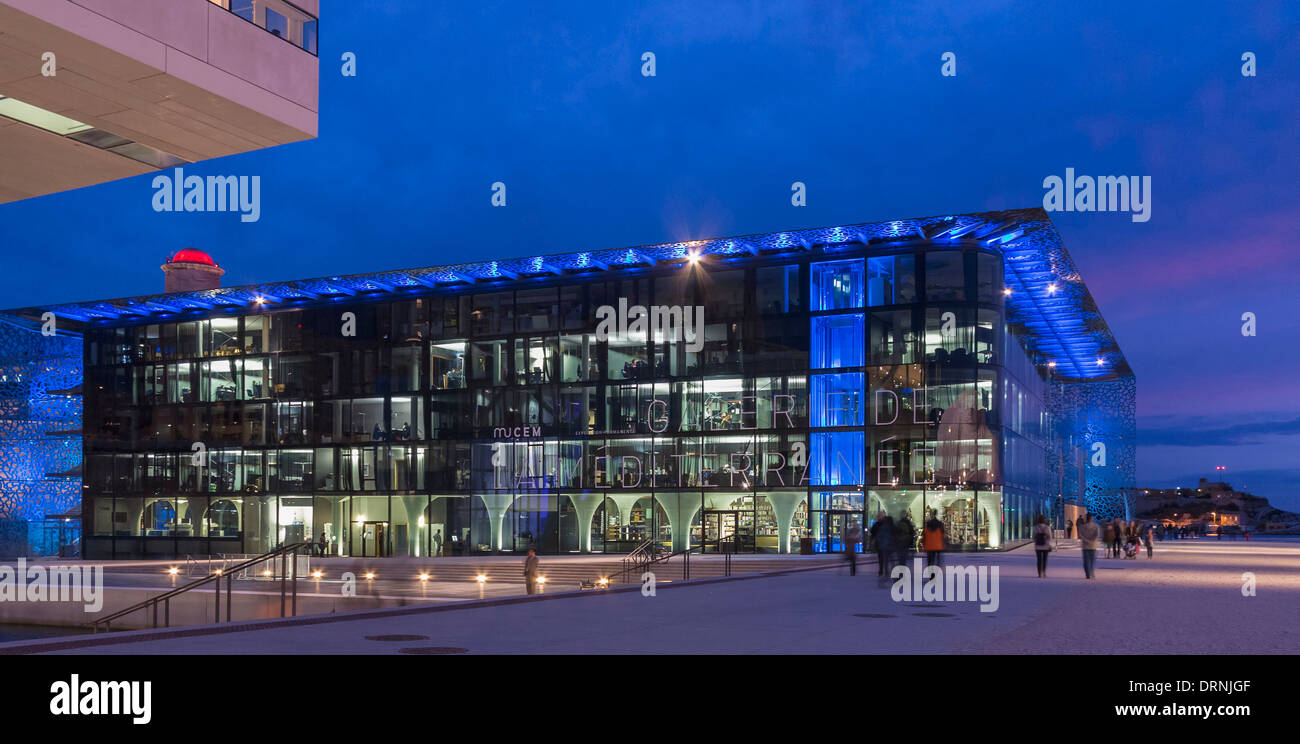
x,y
1108,539
1121,529
1069,529
932,540
852,536
324,545
904,538
882,537
531,568
1042,544
1090,538
1148,538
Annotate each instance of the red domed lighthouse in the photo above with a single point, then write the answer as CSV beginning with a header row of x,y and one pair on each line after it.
x,y
190,269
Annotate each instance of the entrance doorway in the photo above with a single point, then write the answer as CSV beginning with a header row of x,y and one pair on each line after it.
x,y
829,528
727,531
373,540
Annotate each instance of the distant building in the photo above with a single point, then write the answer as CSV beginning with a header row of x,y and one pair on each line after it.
x,y
1211,502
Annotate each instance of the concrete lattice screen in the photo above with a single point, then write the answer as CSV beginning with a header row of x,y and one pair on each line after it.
x,y
1101,412
40,439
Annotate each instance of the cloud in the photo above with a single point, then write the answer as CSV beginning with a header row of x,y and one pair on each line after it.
x,y
1245,433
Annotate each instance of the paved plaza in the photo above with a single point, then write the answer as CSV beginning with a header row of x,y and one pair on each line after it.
x,y
1188,599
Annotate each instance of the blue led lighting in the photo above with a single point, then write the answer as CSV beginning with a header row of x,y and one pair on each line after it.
x,y
1063,325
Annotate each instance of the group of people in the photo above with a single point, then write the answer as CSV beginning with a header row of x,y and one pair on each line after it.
x,y
1117,537
893,541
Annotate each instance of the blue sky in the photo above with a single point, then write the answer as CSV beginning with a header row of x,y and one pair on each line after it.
x,y
748,98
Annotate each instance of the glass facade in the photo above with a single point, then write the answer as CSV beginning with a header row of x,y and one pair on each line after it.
x,y
751,404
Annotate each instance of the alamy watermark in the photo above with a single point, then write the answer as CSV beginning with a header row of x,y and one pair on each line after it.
x,y
181,193
37,583
946,584
674,323
1099,194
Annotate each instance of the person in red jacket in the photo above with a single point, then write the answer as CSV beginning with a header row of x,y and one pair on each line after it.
x,y
933,540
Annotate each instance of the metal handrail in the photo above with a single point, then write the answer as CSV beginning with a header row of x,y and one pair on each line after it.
x,y
635,558
228,574
686,559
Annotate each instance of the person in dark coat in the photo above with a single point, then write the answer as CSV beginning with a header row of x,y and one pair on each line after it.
x,y
882,537
532,568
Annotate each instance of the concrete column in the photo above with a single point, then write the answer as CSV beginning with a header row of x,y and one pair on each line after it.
x,y
784,504
415,506
681,510
624,501
991,502
134,514
586,505
497,504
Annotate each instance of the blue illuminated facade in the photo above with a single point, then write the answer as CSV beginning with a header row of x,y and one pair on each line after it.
x,y
954,366
40,438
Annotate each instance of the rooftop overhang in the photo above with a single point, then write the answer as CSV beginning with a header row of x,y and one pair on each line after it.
x,y
140,85
1048,307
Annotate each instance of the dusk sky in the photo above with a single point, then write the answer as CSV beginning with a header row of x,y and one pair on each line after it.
x,y
748,98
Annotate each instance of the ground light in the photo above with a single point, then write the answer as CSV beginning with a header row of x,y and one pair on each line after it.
x,y
480,578
424,577
173,571
370,575
316,574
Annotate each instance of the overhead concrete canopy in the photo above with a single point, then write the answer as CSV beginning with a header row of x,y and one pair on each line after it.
x,y
155,82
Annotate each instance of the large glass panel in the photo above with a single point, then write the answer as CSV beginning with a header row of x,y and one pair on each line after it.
x,y
218,381
447,368
893,340
837,400
778,290
837,285
891,280
836,458
536,310
944,276
405,372
837,341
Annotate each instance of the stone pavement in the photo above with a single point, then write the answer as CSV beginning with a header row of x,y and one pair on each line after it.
x,y
1187,600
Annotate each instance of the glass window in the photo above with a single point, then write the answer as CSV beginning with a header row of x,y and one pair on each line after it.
x,y
724,294
892,339
225,336
837,400
949,337
836,458
777,289
536,309
534,360
837,341
405,374
891,280
493,313
255,329
447,367
838,284
218,381
492,362
944,276
988,277
277,24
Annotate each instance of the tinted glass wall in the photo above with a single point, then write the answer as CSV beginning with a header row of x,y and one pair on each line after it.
x,y
761,404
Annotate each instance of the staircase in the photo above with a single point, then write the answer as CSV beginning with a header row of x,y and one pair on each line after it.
x,y
563,573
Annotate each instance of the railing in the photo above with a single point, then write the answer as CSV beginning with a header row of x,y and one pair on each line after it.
x,y
663,560
288,575
639,556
